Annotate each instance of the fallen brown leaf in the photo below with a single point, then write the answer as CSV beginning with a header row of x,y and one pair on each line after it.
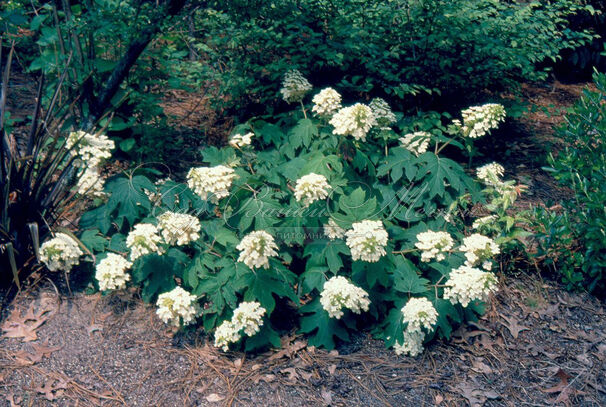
x,y
513,326
214,398
17,326
52,389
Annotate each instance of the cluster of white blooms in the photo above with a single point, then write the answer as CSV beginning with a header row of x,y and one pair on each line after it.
x,y
178,228
339,293
327,102
419,313
176,304
433,245
311,188
382,112
248,317
484,221
91,183
333,231
239,140
60,253
367,240
213,181
416,142
294,86
91,149
491,173
467,284
413,344
111,272
355,121
144,239
479,249
256,248
479,120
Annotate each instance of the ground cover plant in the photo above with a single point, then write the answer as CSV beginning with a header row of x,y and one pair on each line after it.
x,y
330,220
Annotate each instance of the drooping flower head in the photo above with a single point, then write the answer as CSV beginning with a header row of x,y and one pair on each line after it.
x,y
91,149
333,231
175,306
213,182
256,248
355,121
467,284
412,345
479,120
478,249
60,253
311,188
327,102
382,112
178,228
433,245
294,86
239,140
339,294
111,272
367,240
419,313
90,183
144,239
491,173
416,142
484,221
247,319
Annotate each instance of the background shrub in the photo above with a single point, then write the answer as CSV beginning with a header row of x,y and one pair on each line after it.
x,y
573,241
397,49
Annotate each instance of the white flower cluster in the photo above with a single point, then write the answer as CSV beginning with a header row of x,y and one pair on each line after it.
x,y
239,140
248,317
311,188
178,228
144,239
367,240
412,345
91,183
417,142
91,151
479,249
256,248
294,86
467,284
491,173
479,120
484,221
60,253
111,272
418,313
327,102
433,245
333,231
211,181
339,293
382,112
355,121
176,304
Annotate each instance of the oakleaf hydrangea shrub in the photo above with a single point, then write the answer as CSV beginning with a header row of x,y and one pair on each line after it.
x,y
322,215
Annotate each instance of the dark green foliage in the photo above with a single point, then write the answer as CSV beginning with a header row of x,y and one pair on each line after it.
x,y
573,241
397,49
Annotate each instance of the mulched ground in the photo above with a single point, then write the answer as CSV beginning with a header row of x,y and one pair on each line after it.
x,y
537,345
